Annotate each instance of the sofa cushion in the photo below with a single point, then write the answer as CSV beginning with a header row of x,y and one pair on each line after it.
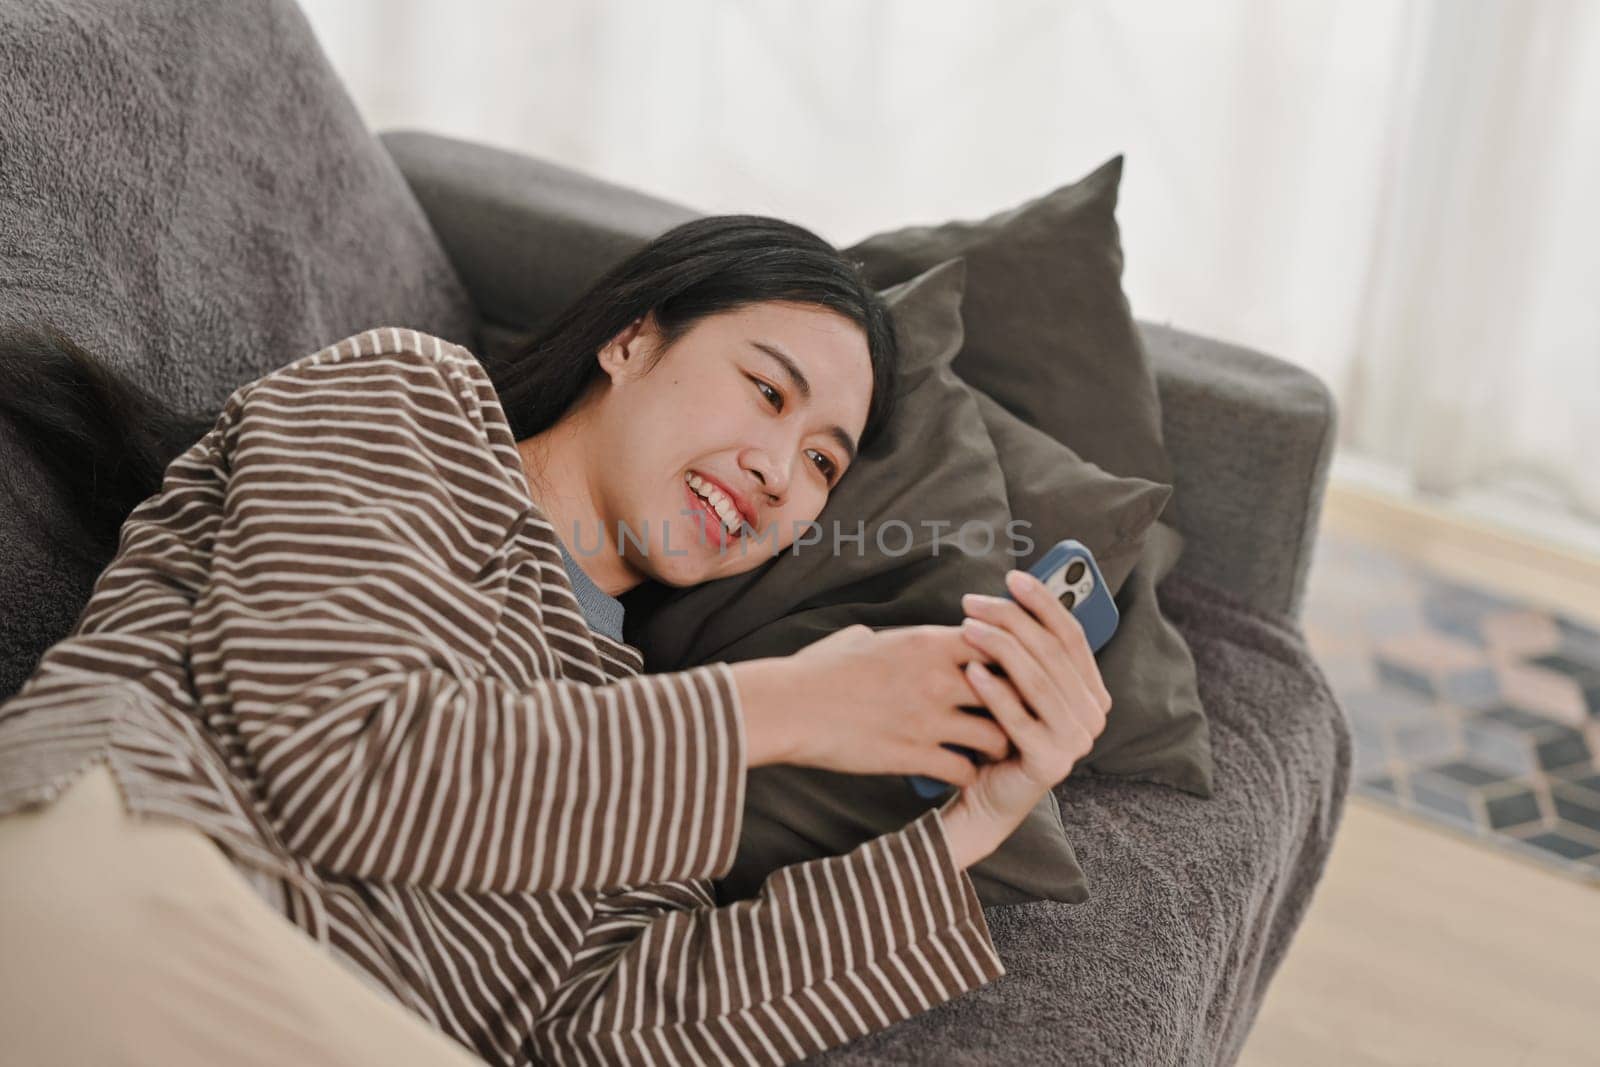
x,y
176,204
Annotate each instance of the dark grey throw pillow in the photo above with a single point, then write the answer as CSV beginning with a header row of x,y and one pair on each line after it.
x,y
1049,332
1157,729
1055,493
917,573
1051,338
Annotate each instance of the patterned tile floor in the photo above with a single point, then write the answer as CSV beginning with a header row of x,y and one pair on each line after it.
x,y
1469,709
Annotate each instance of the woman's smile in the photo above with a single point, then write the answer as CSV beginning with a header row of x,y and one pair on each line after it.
x,y
715,518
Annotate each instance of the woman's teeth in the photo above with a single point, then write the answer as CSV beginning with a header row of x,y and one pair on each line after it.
x,y
718,502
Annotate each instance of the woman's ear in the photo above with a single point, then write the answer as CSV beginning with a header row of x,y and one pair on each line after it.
x,y
624,353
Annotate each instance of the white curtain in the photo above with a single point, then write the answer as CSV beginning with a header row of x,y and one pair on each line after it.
x,y
1479,358
1399,195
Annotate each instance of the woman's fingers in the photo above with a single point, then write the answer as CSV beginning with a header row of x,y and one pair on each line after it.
x,y
950,767
944,684
1015,616
943,652
1001,698
1032,594
976,732
1082,704
1038,688
1046,754
1045,644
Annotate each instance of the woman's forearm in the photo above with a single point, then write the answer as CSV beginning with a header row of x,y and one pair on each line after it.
x,y
969,840
765,688
766,691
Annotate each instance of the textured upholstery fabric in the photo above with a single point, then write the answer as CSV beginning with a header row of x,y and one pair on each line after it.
x,y
208,219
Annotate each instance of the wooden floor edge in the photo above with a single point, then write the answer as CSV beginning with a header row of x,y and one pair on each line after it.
x,y
1498,558
1418,821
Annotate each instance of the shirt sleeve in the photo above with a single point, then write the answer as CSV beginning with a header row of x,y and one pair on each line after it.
x,y
352,589
829,950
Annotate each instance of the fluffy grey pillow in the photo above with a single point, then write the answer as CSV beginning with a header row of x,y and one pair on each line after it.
x,y
183,208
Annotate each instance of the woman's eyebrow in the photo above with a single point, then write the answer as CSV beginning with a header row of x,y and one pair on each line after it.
x,y
796,376
802,385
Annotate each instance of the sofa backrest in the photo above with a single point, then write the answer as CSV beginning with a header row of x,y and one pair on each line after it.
x,y
189,192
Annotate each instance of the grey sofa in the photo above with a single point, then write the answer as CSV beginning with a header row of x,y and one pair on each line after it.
x,y
231,212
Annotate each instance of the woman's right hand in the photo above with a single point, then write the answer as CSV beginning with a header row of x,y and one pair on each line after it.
x,y
885,702
864,701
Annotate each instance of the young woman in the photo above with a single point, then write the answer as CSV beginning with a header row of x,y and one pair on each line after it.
x,y
346,650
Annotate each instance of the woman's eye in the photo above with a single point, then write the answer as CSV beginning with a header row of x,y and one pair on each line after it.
x,y
826,466
770,393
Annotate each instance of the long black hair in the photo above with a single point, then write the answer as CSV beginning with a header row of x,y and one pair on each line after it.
x,y
106,441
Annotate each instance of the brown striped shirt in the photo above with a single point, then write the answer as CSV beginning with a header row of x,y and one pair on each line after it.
x,y
340,640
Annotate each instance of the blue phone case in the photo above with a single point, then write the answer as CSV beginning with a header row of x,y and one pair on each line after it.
x,y
1091,605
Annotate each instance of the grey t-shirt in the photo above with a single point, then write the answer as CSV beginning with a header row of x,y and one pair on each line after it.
x,y
603,611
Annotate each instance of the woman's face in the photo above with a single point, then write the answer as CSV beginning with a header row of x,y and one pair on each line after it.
x,y
762,407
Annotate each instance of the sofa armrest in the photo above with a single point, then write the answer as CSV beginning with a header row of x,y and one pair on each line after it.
x,y
525,235
1250,435
1251,439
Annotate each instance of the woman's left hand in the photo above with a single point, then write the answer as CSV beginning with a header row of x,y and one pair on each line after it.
x,y
1052,703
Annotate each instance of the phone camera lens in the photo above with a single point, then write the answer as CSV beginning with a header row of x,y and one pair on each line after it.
x,y
1075,570
1069,599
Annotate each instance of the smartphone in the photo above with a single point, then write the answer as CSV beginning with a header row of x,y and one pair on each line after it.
x,y
1069,571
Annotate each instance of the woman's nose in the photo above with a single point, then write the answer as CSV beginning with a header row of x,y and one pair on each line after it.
x,y
774,477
